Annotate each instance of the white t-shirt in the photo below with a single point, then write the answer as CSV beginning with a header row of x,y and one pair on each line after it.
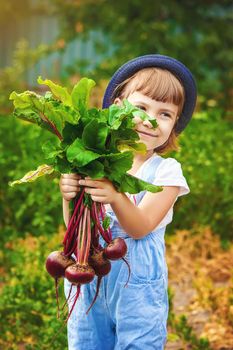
x,y
169,173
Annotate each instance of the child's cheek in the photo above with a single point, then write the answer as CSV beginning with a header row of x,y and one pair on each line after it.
x,y
136,120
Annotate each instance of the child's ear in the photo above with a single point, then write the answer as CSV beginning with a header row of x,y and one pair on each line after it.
x,y
117,101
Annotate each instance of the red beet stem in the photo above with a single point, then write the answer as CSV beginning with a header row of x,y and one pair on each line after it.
x,y
95,236
73,234
75,300
79,240
96,293
128,269
73,231
103,214
97,222
88,236
52,125
71,222
76,209
57,297
68,298
82,250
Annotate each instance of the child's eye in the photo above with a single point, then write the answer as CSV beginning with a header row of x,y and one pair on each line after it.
x,y
141,107
166,115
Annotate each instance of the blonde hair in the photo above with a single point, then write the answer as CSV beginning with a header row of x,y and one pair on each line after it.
x,y
160,85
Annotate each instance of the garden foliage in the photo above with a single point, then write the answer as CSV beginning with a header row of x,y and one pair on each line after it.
x,y
30,208
206,158
28,301
195,32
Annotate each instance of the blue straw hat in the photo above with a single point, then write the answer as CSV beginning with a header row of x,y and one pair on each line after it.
x,y
174,66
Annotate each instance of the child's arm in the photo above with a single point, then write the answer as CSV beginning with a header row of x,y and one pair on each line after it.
x,y
141,220
136,221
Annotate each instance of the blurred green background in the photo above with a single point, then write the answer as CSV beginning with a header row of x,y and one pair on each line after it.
x,y
63,41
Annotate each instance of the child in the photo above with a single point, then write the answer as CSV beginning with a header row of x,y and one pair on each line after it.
x,y
134,317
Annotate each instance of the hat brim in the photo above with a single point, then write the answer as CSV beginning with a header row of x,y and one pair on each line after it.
x,y
174,66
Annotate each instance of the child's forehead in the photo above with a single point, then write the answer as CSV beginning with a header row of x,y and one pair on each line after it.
x,y
141,98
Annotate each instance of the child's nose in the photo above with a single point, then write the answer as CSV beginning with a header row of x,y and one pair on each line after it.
x,y
147,123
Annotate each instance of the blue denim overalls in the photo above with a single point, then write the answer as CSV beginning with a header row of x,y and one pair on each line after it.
x,y
132,317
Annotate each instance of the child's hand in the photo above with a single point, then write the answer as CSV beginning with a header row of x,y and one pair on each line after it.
x,y
101,190
69,186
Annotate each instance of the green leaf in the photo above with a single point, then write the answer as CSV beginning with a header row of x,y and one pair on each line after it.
x,y
117,164
106,222
94,169
34,175
79,155
132,184
124,113
26,99
94,135
122,135
144,116
62,166
127,111
59,92
132,146
54,117
116,116
33,117
38,110
81,93
67,114
70,133
52,148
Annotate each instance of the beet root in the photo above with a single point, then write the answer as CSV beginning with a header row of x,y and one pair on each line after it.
x,y
56,264
78,273
116,249
100,264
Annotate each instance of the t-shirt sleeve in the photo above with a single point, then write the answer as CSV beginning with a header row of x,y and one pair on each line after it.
x,y
169,173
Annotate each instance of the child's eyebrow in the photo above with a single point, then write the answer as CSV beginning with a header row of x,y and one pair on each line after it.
x,y
167,110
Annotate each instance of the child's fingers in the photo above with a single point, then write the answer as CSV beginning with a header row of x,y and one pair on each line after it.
x,y
99,179
70,195
91,183
71,176
69,186
68,189
98,192
69,182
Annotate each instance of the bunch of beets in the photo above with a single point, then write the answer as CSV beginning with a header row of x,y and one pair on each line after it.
x,y
82,241
99,143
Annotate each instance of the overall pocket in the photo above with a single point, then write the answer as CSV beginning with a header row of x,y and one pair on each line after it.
x,y
147,261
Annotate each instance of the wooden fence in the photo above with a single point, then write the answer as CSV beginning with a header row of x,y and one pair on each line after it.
x,y
43,29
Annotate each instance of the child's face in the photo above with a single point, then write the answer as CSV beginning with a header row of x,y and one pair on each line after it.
x,y
165,114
